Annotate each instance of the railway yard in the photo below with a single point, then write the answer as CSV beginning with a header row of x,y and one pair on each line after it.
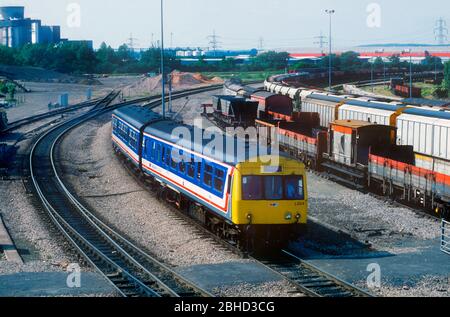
x,y
69,198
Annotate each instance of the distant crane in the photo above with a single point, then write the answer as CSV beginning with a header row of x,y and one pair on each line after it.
x,y
214,42
441,31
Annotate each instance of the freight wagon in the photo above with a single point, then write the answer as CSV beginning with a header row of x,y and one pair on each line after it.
x,y
404,91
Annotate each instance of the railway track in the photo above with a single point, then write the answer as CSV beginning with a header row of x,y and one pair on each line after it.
x,y
23,122
131,271
309,279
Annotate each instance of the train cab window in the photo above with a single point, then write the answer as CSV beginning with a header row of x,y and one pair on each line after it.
x,y
273,187
294,188
251,188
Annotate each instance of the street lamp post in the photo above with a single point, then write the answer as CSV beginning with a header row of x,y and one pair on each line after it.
x,y
330,13
163,81
371,74
410,70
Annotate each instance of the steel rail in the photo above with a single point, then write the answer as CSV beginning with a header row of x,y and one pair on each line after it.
x,y
106,250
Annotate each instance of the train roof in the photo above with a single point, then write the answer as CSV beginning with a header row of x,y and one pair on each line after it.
x,y
230,98
328,98
136,115
426,102
265,94
373,105
164,129
428,113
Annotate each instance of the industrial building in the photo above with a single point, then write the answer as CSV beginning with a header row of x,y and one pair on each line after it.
x,y
16,30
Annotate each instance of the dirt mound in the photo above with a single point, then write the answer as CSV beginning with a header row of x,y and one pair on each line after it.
x,y
180,80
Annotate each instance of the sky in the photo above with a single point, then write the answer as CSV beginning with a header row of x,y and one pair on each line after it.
x,y
282,24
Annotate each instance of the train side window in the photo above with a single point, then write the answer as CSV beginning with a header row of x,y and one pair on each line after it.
x,y
191,170
152,150
173,161
218,184
163,155
207,179
208,175
182,167
219,180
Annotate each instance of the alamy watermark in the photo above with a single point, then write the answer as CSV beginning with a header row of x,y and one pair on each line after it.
x,y
374,278
374,15
74,15
74,278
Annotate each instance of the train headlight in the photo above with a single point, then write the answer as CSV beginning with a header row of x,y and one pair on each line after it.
x,y
288,216
249,216
298,216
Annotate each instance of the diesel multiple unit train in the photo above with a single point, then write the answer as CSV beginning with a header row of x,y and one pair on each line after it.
x,y
393,148
241,196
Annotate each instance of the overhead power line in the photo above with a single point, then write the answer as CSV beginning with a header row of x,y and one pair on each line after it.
x,y
214,42
441,31
321,41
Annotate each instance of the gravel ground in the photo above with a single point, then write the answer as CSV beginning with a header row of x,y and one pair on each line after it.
x,y
30,232
93,170
370,219
428,286
264,290
42,94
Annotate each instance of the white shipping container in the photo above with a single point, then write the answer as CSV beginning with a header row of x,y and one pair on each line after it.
x,y
325,109
429,136
378,116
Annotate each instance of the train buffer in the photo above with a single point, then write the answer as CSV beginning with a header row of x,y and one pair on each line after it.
x,y
445,239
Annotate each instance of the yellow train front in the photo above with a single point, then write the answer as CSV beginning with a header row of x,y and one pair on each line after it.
x,y
270,202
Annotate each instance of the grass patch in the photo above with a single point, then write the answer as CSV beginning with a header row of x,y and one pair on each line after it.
x,y
245,76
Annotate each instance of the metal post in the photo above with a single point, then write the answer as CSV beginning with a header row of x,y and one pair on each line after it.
x,y
163,95
330,12
410,75
371,76
435,69
170,94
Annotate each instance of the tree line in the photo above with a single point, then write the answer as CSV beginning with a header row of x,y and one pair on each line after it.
x,y
80,58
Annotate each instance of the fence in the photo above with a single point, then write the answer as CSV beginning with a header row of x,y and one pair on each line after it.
x,y
445,241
